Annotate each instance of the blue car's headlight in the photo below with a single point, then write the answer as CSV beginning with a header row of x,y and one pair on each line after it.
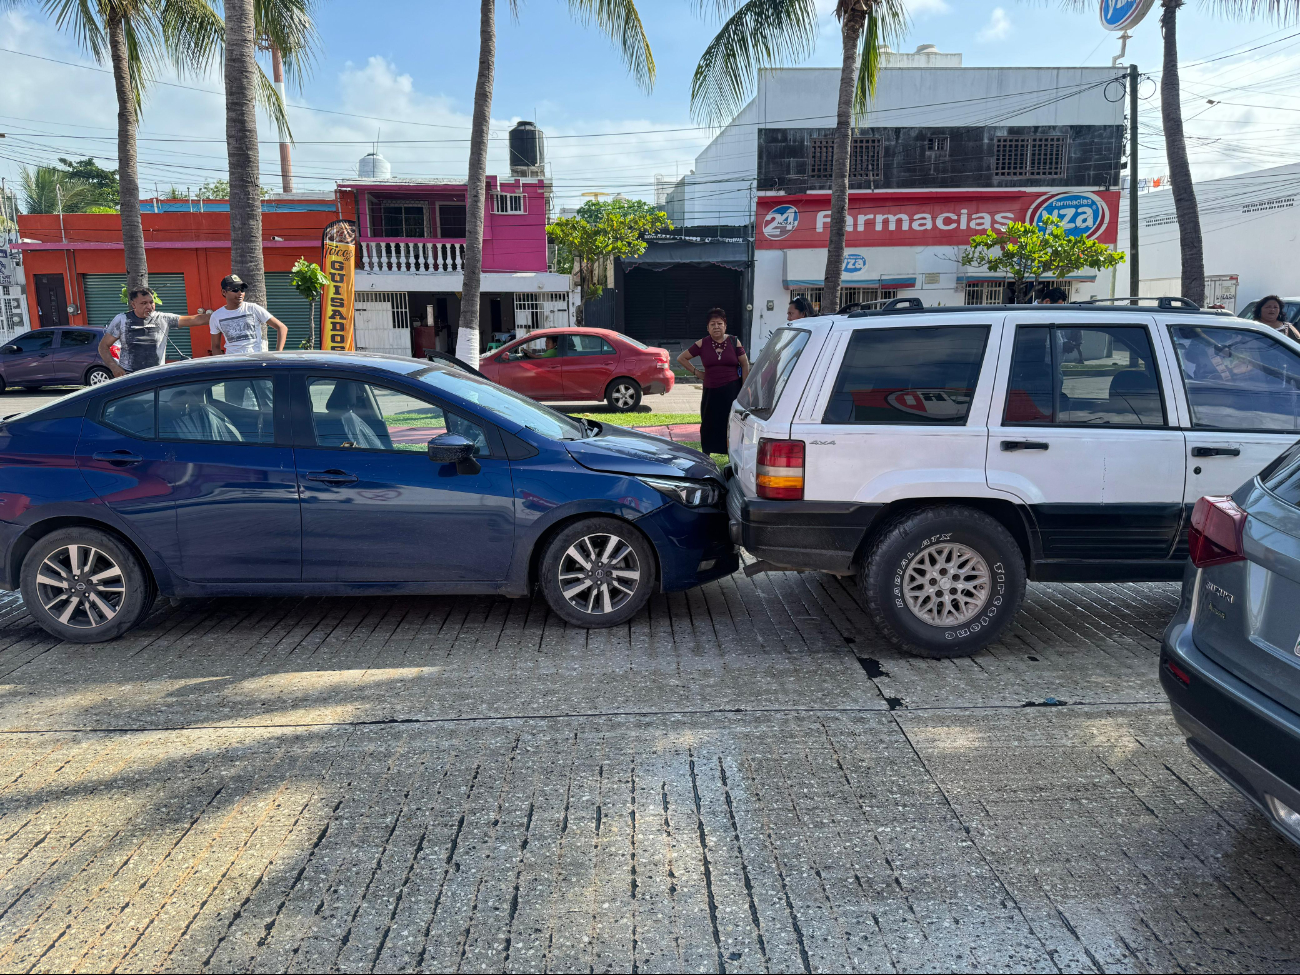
x,y
693,494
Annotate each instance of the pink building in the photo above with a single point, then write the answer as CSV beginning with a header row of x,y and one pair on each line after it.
x,y
410,261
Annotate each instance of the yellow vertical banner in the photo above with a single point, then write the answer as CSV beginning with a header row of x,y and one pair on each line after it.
x,y
337,308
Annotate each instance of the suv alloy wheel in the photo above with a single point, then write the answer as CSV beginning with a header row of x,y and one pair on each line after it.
x,y
943,581
83,585
597,572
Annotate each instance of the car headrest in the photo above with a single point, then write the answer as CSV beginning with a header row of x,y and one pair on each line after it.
x,y
1132,381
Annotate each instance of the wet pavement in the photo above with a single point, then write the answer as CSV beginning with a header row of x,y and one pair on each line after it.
x,y
745,778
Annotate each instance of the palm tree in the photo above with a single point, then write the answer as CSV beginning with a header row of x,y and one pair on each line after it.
x,y
285,26
1191,251
45,188
620,20
758,34
135,36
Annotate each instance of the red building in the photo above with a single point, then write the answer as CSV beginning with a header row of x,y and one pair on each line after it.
x,y
76,269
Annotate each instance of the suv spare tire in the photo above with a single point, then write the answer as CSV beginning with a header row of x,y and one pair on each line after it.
x,y
943,581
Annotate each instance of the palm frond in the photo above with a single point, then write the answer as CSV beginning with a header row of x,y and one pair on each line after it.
x,y
1280,11
84,20
268,97
193,32
886,26
288,25
621,21
142,52
760,34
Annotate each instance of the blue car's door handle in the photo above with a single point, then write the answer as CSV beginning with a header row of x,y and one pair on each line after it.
x,y
122,457
335,477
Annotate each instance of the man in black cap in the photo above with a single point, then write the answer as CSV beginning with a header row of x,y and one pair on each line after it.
x,y
141,334
242,322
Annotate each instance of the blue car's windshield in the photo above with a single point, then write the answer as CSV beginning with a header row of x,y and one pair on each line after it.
x,y
503,402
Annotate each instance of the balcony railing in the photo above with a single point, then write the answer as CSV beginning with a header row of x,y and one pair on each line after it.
x,y
411,256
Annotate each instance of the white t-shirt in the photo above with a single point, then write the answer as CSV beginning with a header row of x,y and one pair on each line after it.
x,y
244,327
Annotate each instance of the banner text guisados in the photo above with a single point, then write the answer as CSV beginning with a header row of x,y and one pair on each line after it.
x,y
336,309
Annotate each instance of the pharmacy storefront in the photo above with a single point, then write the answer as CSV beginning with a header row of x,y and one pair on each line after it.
x,y
906,243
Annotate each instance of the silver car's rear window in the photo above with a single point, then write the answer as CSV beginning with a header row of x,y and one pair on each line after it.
x,y
1282,476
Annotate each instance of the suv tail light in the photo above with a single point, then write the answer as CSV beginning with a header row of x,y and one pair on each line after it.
x,y
1215,535
780,470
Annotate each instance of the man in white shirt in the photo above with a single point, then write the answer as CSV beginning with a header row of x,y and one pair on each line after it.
x,y
241,322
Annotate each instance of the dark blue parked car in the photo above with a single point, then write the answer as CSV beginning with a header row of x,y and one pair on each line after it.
x,y
314,473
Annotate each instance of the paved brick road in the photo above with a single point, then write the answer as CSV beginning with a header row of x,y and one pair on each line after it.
x,y
744,779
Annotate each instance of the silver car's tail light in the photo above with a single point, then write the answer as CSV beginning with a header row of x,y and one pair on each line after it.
x,y
1214,537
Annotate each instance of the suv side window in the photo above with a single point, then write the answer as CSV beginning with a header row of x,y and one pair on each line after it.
x,y
908,375
1238,379
1095,376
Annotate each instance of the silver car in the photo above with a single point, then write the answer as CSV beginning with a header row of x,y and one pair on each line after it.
x,y
1230,663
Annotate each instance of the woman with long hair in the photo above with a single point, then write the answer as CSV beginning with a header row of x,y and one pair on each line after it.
x,y
725,368
1269,312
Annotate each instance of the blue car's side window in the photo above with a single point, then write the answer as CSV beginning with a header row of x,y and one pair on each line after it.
x,y
220,411
363,416
132,415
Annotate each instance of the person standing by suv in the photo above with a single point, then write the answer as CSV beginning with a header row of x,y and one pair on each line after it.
x,y
725,368
141,334
241,322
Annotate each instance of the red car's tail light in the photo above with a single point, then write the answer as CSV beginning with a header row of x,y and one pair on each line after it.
x,y
1215,535
780,470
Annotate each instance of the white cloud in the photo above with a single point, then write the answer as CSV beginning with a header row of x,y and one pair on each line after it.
x,y
50,110
927,8
998,27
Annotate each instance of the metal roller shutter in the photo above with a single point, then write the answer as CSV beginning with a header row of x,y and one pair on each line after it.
x,y
104,303
673,304
293,309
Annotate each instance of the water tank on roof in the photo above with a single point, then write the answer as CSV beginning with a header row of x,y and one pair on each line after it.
x,y
374,166
527,151
927,49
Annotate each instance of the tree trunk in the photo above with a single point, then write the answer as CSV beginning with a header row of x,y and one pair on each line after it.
x,y
137,268
852,32
1180,171
467,338
241,149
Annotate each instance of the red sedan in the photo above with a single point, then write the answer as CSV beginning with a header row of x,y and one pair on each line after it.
x,y
576,364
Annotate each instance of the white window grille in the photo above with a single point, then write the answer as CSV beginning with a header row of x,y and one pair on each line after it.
x,y
937,144
997,293
509,203
848,296
1028,156
1279,203
528,311
396,299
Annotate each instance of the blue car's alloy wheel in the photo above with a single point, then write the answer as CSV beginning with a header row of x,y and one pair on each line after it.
x,y
598,572
84,585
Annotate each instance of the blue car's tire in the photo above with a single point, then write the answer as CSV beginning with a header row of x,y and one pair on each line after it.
x,y
84,585
597,572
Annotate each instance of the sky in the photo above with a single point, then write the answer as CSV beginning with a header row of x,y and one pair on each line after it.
x,y
401,74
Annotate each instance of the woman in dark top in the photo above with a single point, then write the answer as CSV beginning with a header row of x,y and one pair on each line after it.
x,y
724,372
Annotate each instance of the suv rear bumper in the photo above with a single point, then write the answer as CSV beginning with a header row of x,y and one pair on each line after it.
x,y
824,535
1250,740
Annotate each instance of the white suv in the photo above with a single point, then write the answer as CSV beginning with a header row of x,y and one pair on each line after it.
x,y
944,455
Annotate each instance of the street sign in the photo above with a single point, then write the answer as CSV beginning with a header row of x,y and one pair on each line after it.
x,y
1123,14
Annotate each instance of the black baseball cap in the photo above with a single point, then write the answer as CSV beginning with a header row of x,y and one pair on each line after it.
x,y
233,282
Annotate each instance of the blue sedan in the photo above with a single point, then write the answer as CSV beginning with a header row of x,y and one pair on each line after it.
x,y
315,473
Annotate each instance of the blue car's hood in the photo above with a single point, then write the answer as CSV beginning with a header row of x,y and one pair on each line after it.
x,y
619,450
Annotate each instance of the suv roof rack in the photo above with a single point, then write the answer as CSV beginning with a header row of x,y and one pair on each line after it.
x,y
912,305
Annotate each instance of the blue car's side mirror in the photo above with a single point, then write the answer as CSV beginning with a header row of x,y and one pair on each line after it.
x,y
451,448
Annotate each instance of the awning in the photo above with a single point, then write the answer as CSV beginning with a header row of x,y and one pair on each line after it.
x,y
659,255
807,269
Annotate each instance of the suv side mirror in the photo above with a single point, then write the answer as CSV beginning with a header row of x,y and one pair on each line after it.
x,y
451,448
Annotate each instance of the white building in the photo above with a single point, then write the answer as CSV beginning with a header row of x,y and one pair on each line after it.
x,y
1249,228
947,151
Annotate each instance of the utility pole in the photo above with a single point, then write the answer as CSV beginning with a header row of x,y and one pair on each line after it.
x,y
286,164
1134,278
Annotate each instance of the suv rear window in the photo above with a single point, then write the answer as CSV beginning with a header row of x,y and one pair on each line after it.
x,y
772,371
908,375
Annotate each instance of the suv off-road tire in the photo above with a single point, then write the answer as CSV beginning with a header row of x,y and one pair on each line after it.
x,y
129,607
969,538
575,536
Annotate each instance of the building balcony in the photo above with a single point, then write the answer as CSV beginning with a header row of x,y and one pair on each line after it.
x,y
411,255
